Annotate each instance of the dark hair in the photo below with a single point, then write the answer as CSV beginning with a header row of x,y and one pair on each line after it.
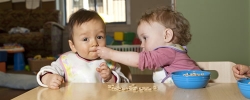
x,y
170,19
80,17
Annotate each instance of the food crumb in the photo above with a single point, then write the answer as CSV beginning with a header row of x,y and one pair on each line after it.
x,y
132,87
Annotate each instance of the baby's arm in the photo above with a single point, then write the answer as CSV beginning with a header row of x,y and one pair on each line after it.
x,y
51,76
126,58
105,73
53,81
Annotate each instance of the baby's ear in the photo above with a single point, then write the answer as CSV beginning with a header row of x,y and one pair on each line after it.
x,y
72,46
168,35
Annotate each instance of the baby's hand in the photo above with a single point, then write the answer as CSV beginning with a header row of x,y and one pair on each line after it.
x,y
104,71
240,71
104,52
53,81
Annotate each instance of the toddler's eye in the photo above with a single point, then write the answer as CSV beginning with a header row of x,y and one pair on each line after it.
x,y
85,39
144,38
100,37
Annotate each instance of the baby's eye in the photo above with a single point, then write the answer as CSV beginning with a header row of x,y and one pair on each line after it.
x,y
85,39
144,37
99,37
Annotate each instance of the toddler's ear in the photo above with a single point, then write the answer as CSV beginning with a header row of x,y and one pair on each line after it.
x,y
72,46
168,35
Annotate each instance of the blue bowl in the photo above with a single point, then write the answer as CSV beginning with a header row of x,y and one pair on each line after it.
x,y
184,79
198,72
244,87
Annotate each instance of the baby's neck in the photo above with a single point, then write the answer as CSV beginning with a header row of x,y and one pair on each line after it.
x,y
91,59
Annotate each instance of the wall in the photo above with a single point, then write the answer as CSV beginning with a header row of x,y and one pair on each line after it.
x,y
220,29
137,8
248,30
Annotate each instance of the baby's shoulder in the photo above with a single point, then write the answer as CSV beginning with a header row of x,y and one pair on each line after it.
x,y
68,54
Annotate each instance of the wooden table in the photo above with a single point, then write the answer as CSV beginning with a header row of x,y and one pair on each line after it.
x,y
98,91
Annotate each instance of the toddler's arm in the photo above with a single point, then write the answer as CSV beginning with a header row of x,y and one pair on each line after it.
x,y
126,58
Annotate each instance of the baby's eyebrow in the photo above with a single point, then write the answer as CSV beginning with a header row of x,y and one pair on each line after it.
x,y
83,34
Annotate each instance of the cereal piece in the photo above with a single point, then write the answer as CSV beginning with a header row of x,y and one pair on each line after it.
x,y
110,86
124,89
141,89
135,88
155,87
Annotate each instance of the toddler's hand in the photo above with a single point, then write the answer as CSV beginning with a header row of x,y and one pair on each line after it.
x,y
104,52
104,71
240,71
53,81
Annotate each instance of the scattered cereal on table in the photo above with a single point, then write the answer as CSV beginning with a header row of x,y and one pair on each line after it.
x,y
132,87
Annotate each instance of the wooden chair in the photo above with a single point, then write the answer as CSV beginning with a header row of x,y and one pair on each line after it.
x,y
126,71
135,75
221,71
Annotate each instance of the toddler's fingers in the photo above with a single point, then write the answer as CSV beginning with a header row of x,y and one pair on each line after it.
x,y
236,69
237,76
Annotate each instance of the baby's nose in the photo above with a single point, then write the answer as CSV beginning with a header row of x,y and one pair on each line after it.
x,y
95,44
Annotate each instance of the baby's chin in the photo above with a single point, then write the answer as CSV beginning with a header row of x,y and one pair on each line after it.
x,y
92,57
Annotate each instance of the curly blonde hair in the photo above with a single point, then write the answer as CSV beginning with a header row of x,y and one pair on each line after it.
x,y
170,19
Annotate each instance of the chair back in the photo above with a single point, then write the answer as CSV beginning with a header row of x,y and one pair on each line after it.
x,y
221,71
126,71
